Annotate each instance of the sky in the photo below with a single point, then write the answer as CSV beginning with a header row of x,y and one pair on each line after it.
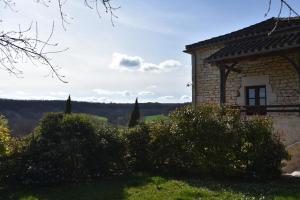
x,y
140,56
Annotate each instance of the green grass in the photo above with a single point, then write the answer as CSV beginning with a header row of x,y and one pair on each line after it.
x,y
100,118
158,188
153,118
95,118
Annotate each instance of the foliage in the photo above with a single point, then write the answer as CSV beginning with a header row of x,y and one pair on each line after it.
x,y
137,140
110,150
97,122
68,108
205,141
208,140
5,138
68,148
23,115
154,118
135,115
261,150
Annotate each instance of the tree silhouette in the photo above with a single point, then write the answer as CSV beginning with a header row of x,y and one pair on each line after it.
x,y
68,108
135,115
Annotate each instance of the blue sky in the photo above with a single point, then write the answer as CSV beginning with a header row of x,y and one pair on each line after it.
x,y
140,56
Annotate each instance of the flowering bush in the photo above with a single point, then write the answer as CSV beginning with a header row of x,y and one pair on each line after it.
x,y
5,138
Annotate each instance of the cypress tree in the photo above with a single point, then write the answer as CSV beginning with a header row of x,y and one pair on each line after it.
x,y
68,108
135,115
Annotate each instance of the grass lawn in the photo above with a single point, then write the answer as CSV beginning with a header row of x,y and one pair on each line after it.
x,y
158,188
104,119
95,118
153,118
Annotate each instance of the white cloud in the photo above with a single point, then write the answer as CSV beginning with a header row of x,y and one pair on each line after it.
x,y
27,96
92,99
170,65
149,67
163,98
59,93
145,93
39,97
136,63
151,87
124,93
125,62
21,93
186,98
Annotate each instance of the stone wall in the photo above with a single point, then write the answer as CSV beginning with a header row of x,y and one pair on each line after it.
x,y
279,76
207,85
288,127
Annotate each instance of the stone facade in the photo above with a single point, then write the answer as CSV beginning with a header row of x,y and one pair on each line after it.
x,y
205,77
276,73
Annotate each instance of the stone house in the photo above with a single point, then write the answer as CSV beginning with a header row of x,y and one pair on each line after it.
x,y
257,69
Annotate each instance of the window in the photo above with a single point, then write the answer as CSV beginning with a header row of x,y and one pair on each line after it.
x,y
256,100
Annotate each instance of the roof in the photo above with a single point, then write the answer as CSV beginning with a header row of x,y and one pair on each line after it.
x,y
258,45
255,39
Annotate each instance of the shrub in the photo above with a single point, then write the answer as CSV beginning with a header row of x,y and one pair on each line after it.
x,y
137,140
206,136
5,138
167,154
207,140
111,150
261,150
67,148
9,146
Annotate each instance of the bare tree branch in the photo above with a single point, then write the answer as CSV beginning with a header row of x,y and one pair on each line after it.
x,y
283,4
23,45
9,4
17,46
91,4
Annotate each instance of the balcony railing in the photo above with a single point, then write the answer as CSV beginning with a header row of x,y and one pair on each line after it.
x,y
262,110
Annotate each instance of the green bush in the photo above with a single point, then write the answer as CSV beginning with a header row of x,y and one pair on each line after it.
x,y
167,153
261,151
137,142
208,140
5,138
68,148
206,134
111,150
9,146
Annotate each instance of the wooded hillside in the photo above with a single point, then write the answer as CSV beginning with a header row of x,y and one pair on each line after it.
x,y
24,114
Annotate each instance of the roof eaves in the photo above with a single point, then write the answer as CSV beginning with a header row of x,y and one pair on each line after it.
x,y
226,37
251,53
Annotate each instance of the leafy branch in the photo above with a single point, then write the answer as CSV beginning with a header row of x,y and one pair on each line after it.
x,y
25,44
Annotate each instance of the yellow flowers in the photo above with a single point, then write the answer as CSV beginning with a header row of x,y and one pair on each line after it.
x,y
5,139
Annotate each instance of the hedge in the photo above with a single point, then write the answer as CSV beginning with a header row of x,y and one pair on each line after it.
x,y
205,141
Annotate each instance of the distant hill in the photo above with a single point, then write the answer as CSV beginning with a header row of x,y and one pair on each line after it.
x,y
23,115
152,118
